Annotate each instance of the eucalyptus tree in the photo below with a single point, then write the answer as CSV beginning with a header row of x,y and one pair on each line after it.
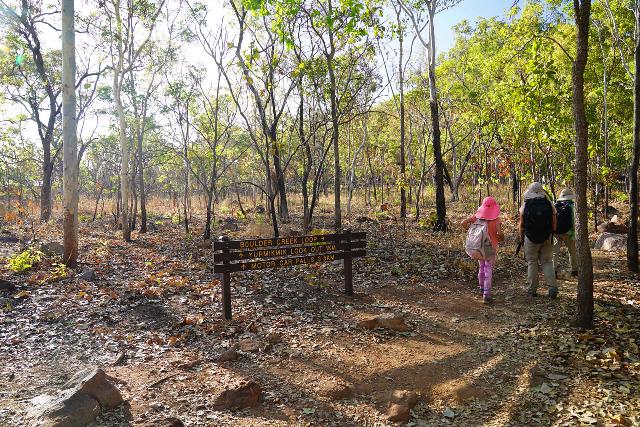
x,y
269,77
33,79
415,13
69,128
342,31
128,35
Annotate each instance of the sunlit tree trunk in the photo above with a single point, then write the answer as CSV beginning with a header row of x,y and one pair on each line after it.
x,y
632,237
69,127
584,314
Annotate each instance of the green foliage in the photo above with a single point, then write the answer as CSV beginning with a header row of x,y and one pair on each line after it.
x,y
25,260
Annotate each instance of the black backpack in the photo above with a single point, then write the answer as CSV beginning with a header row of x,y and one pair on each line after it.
x,y
564,210
538,219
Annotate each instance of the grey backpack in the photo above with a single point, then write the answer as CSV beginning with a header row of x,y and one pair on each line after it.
x,y
478,244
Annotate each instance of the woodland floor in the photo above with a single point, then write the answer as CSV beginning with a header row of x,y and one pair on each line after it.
x,y
152,319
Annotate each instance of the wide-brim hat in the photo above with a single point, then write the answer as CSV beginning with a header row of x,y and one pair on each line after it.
x,y
534,191
489,209
566,194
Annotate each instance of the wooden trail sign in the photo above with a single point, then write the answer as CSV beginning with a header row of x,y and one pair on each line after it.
x,y
257,254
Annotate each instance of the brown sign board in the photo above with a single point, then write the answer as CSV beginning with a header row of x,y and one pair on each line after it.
x,y
258,254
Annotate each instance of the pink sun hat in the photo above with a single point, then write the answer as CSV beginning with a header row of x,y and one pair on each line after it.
x,y
489,210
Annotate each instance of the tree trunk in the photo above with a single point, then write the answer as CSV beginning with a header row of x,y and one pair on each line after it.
x,y
122,124
45,189
70,143
584,314
403,195
632,237
143,195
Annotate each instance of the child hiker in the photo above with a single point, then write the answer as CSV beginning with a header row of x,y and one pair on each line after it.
x,y
483,236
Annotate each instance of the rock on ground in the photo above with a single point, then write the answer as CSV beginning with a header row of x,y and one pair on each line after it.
x,y
400,404
335,389
82,398
244,395
613,227
88,274
391,321
8,238
52,249
228,356
611,242
167,422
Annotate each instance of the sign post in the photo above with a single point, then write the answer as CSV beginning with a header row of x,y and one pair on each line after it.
x,y
258,254
348,267
226,281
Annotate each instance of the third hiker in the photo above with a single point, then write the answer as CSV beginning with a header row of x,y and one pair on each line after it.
x,y
537,225
565,233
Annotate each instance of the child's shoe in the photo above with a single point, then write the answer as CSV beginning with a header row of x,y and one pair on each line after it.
x,y
486,299
553,293
481,291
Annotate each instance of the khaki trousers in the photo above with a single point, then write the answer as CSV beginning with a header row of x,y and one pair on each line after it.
x,y
570,243
539,255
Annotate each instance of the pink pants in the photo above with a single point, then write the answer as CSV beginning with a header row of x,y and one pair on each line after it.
x,y
485,275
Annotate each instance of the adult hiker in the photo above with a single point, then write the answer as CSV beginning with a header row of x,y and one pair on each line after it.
x,y
483,236
565,233
537,225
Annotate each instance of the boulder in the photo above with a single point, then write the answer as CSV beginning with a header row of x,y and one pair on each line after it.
x,y
52,249
611,211
8,238
230,224
613,227
273,337
205,244
400,404
249,345
364,218
166,422
404,397
335,389
82,398
390,321
611,242
398,413
246,394
228,356
88,274
7,286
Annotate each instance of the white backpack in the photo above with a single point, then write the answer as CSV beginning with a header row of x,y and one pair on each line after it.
x,y
478,244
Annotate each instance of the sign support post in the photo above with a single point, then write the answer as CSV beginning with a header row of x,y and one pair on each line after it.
x,y
226,282
348,266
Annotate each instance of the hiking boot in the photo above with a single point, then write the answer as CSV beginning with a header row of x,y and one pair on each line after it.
x,y
553,293
574,274
532,292
481,291
487,299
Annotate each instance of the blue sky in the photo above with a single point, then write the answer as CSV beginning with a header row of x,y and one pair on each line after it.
x,y
469,10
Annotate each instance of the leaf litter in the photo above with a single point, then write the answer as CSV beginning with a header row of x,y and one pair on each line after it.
x,y
153,317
